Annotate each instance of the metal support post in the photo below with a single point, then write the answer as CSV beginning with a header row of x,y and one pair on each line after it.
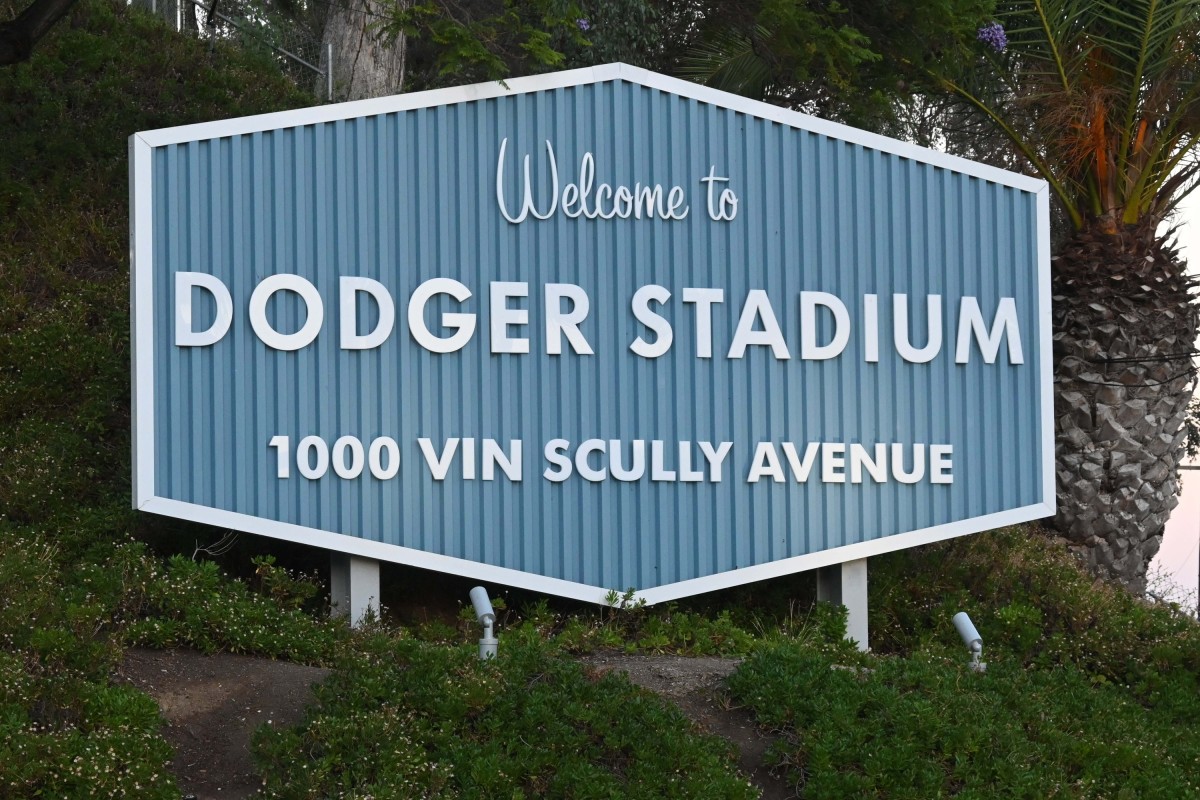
x,y
353,587
846,584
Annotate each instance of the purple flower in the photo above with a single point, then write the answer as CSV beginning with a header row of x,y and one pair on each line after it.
x,y
584,25
993,36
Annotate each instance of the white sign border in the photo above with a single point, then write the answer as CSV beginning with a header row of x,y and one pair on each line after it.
x,y
142,333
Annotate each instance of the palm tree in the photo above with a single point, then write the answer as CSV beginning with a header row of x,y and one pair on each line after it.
x,y
1102,99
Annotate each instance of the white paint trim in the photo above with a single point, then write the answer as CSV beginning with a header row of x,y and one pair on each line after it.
x,y
141,321
824,127
1046,347
839,555
379,105
363,547
582,77
352,545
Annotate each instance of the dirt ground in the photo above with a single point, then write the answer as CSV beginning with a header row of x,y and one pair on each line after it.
x,y
694,684
213,704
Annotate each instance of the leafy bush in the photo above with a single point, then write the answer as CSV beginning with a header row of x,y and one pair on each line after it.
x,y
1089,691
102,74
64,731
654,630
73,584
927,726
1034,603
193,604
117,753
409,719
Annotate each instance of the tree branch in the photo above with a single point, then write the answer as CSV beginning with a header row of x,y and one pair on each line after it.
x,y
18,36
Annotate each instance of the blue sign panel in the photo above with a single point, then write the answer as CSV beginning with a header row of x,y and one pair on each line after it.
x,y
595,330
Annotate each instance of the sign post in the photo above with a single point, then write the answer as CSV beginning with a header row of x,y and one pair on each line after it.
x,y
586,331
353,587
846,585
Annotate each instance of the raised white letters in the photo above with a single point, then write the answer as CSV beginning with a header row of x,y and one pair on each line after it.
x,y
565,307
503,316
704,300
1004,324
258,312
561,323
877,463
464,324
809,348
758,307
661,328
527,196
348,308
723,206
599,460
933,340
606,201
185,336
871,328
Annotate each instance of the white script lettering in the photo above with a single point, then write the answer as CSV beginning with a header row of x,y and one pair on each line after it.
x,y
579,199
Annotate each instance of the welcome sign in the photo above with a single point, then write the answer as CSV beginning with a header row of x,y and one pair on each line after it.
x,y
594,330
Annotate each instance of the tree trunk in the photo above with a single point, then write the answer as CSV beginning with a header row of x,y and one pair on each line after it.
x,y
189,21
1124,327
18,36
366,63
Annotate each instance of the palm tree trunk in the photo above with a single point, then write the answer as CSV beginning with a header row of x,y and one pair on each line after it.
x,y
1124,326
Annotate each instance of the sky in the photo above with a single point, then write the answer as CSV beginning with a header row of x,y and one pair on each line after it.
x,y
1174,571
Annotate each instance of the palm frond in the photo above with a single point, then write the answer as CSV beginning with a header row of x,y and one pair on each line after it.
x,y
730,61
1106,93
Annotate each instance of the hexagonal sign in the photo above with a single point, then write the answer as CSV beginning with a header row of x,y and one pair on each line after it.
x,y
600,329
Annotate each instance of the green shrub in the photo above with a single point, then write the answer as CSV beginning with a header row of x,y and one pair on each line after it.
x,y
191,603
409,719
73,585
927,726
1032,601
64,731
103,760
663,629
66,114
1089,692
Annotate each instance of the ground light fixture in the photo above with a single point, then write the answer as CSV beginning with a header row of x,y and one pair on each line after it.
x,y
487,618
971,638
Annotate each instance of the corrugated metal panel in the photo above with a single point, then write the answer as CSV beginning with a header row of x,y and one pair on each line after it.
x,y
408,196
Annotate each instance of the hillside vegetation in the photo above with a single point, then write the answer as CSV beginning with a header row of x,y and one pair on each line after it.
x,y
1089,692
